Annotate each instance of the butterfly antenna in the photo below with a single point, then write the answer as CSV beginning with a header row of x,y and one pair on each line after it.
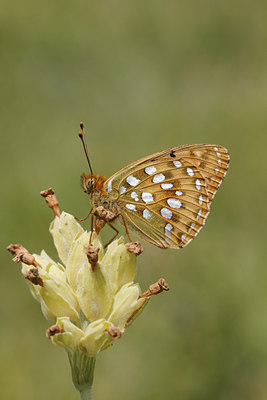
x,y
82,137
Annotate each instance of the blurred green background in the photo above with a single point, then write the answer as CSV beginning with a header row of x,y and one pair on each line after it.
x,y
143,76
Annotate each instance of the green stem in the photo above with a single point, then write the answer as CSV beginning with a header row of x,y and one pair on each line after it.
x,y
82,370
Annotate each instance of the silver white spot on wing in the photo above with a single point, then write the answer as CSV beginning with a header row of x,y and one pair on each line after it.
x,y
131,207
146,214
191,227
150,170
199,214
132,180
122,189
216,169
218,154
200,200
110,185
179,193
166,185
189,171
158,178
147,197
166,213
198,184
177,164
197,153
168,229
216,148
183,237
219,162
174,203
134,195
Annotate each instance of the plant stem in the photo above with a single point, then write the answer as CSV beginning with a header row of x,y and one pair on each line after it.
x,y
86,394
82,370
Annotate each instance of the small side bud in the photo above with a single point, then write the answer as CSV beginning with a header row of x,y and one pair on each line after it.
x,y
53,330
158,287
33,276
101,217
22,255
135,248
99,224
92,255
51,200
114,332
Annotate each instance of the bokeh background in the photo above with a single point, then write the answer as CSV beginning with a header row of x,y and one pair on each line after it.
x,y
143,76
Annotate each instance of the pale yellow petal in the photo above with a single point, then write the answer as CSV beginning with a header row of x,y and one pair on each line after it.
x,y
71,336
93,292
58,297
126,304
77,259
119,265
96,337
64,230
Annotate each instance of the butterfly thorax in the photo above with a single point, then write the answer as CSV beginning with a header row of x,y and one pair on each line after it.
x,y
101,198
94,184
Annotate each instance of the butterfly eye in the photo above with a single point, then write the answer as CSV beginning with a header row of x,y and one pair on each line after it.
x,y
87,183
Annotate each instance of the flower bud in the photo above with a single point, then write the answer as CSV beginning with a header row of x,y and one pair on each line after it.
x,y
93,292
59,298
64,230
56,296
71,335
96,337
119,265
78,258
126,305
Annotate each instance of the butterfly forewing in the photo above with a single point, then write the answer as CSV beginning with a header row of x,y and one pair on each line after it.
x,y
166,197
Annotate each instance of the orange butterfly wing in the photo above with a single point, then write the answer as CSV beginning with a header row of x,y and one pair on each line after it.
x,y
166,197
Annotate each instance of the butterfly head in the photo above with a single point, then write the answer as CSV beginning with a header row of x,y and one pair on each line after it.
x,y
92,182
87,182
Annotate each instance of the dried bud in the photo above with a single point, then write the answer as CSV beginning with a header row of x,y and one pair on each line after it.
x,y
22,254
51,200
104,214
92,255
27,258
99,224
15,248
114,332
156,288
53,330
135,248
163,284
33,276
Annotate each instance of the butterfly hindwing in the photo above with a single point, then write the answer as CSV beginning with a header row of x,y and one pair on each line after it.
x,y
166,197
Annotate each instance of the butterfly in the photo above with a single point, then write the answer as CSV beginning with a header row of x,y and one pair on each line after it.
x,y
165,197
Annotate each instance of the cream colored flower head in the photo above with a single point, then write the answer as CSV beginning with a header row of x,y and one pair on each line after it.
x,y
91,307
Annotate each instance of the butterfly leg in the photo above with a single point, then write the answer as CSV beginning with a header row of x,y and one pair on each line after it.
x,y
124,223
111,240
83,219
92,227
